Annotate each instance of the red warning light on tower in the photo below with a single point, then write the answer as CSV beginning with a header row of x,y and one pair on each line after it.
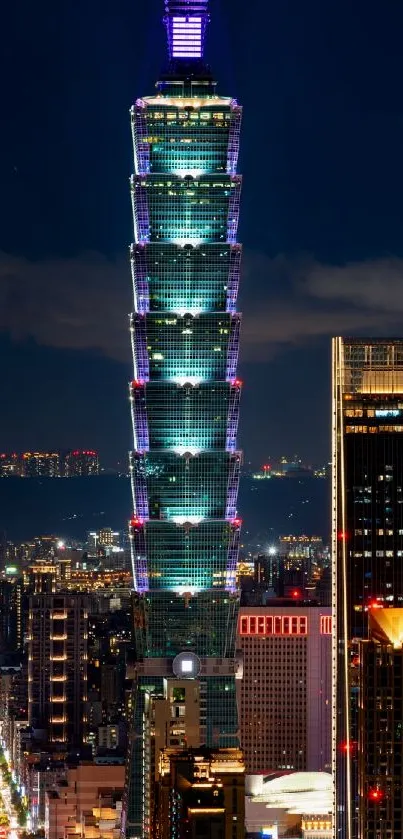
x,y
376,795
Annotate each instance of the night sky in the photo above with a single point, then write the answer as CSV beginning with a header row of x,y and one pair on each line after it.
x,y
321,217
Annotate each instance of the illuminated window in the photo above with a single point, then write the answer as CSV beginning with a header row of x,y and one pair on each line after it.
x,y
266,625
325,625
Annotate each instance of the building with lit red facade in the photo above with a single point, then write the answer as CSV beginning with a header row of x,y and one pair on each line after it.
x,y
285,693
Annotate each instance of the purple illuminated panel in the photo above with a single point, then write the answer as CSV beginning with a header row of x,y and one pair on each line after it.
x,y
140,281
233,140
233,209
232,558
139,558
186,37
186,22
233,348
233,484
232,421
139,347
139,416
139,488
233,278
140,209
139,134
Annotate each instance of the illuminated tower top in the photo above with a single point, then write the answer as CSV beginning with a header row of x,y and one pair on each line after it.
x,y
186,22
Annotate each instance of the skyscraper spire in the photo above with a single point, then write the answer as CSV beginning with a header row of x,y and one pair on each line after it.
x,y
186,22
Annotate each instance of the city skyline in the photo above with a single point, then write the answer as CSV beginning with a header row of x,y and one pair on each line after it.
x,y
329,190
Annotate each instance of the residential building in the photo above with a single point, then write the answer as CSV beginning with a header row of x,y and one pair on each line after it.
x,y
57,667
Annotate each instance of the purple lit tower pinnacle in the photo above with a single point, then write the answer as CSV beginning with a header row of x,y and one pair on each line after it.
x,y
185,396
186,22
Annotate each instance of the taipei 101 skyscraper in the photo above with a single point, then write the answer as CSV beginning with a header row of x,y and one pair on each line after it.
x,y
185,398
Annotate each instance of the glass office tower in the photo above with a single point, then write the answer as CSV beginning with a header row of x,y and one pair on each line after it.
x,y
185,391
368,555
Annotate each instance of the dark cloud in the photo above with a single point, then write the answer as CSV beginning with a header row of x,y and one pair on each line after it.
x,y
82,303
307,300
79,303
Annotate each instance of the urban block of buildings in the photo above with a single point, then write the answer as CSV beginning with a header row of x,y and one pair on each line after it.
x,y
54,464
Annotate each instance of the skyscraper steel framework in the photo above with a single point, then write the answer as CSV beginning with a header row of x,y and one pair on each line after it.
x,y
185,392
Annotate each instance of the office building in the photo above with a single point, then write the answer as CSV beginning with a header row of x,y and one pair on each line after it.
x,y
11,615
57,667
105,550
106,538
185,391
285,705
380,726
10,465
40,465
266,571
200,793
80,464
367,528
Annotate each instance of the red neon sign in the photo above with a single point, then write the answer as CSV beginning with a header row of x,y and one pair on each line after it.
x,y
325,624
265,625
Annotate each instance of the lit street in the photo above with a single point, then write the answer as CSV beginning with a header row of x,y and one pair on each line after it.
x,y
15,830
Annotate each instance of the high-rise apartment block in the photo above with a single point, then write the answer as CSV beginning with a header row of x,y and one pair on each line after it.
x,y
11,615
368,551
53,464
286,688
57,667
40,465
79,464
185,392
10,465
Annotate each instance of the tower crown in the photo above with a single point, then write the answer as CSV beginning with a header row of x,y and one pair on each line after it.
x,y
186,23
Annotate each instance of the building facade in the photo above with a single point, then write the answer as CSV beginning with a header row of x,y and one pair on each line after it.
x,y
57,667
380,726
11,615
40,465
285,706
200,793
80,464
85,788
367,531
185,391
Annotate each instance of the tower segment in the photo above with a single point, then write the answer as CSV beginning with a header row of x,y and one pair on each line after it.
x,y
185,392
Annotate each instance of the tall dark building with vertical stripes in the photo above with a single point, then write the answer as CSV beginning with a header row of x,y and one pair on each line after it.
x,y
368,577
185,391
